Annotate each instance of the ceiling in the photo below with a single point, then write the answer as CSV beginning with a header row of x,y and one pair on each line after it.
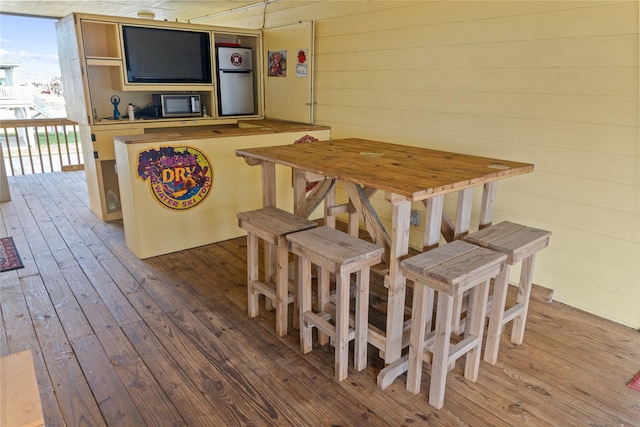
x,y
170,10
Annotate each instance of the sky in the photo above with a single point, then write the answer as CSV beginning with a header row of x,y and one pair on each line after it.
x,y
30,42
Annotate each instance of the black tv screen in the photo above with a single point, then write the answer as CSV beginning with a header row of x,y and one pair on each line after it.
x,y
161,55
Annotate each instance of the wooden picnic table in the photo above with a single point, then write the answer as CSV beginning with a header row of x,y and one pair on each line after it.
x,y
405,174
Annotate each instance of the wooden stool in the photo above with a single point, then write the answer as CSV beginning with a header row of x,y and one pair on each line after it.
x,y
341,254
271,225
450,270
519,243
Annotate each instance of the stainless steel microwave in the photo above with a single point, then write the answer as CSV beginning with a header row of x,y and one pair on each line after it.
x,y
176,105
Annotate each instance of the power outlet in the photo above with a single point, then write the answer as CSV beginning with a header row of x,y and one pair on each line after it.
x,y
415,218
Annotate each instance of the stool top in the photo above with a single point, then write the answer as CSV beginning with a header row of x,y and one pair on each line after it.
x,y
458,264
510,238
274,220
335,245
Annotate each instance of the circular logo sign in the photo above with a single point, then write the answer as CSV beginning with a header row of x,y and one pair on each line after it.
x,y
236,59
180,178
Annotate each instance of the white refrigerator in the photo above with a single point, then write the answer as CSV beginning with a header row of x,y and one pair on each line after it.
x,y
235,81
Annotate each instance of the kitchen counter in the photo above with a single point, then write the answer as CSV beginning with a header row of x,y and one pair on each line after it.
x,y
243,128
182,188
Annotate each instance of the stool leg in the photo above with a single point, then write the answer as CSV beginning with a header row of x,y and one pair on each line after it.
x,y
324,277
282,286
268,271
456,327
477,311
362,316
500,289
304,293
342,326
441,350
419,313
524,294
252,273
293,266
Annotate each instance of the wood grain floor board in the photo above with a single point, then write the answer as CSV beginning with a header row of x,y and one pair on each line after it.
x,y
572,381
116,405
21,336
76,402
167,341
243,342
167,367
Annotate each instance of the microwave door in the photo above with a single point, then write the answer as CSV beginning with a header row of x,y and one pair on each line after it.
x,y
235,92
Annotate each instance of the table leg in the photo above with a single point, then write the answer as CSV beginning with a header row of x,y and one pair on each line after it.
x,y
329,215
299,188
463,213
455,230
396,281
434,209
488,201
268,184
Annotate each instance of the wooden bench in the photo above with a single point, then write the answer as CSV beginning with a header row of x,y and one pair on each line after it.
x,y
340,254
521,244
20,400
272,226
450,270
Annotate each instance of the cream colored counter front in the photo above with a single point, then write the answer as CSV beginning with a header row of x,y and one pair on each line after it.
x,y
155,224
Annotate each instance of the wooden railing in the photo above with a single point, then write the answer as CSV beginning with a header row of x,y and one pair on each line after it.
x,y
40,145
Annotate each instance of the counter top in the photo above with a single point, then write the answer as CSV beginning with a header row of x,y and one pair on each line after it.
x,y
243,128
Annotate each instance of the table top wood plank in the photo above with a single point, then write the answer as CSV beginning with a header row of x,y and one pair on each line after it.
x,y
414,172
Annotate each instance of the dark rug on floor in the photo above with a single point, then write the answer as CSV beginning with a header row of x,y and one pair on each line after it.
x,y
9,256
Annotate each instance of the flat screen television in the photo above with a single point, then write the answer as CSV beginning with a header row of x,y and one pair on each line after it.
x,y
163,55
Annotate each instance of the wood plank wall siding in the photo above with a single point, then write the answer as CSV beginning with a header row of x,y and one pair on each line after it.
x,y
167,341
554,83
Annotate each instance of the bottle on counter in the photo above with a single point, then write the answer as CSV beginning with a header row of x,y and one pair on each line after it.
x,y
130,112
112,201
204,111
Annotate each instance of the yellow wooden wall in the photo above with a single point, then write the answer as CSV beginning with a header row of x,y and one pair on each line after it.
x,y
549,82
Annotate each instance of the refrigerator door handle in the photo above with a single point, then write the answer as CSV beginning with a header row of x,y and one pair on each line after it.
x,y
236,71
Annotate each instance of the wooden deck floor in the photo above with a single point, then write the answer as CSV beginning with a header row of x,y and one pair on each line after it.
x,y
166,341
